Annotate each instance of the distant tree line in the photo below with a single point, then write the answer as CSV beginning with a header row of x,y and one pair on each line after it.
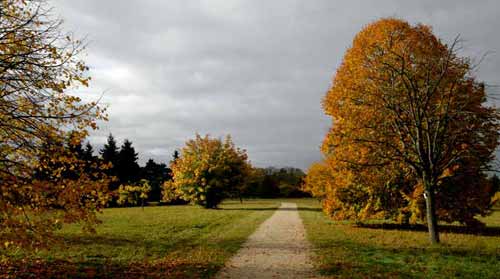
x,y
122,166
274,182
125,169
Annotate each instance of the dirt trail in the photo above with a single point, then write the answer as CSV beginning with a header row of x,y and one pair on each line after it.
x,y
277,249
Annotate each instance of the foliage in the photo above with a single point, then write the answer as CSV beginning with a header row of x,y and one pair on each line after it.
x,y
318,179
207,171
134,194
39,63
408,119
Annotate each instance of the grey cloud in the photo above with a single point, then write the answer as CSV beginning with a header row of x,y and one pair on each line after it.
x,y
256,69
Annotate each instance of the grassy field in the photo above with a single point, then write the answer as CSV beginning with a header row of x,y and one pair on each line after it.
x,y
191,242
157,242
348,251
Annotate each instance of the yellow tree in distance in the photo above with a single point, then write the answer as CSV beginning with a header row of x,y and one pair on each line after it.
x,y
207,171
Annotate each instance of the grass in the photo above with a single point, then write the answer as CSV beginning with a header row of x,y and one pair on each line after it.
x,y
192,242
168,241
345,250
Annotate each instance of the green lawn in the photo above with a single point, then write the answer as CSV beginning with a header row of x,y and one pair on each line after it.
x,y
348,251
192,242
157,242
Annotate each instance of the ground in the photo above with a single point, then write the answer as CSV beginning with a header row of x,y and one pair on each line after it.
x,y
192,242
278,249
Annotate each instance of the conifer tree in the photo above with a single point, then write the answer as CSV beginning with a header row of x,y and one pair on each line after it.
x,y
127,167
109,152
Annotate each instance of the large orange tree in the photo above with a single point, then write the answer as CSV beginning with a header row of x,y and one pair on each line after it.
x,y
42,182
409,119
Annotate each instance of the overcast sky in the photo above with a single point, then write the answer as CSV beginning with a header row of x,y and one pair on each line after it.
x,y
254,69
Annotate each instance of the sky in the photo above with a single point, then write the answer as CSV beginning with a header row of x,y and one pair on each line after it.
x,y
255,69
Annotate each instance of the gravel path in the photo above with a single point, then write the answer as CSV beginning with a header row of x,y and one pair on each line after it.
x,y
277,249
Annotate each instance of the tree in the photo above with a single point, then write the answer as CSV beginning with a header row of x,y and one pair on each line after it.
x,y
253,185
272,182
406,105
317,180
74,143
207,171
134,194
289,181
127,168
88,153
109,152
156,174
109,156
39,63
175,156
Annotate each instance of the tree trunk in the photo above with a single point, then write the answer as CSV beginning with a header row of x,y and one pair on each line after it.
x,y
431,215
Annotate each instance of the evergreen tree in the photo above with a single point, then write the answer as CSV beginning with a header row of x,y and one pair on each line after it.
x,y
175,156
127,167
109,154
91,161
88,153
110,151
156,174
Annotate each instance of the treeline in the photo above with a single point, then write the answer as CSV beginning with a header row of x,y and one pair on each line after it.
x,y
274,182
125,168
122,165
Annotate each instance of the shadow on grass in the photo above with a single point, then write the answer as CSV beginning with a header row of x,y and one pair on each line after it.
x,y
105,269
98,239
486,231
375,261
156,248
102,266
272,209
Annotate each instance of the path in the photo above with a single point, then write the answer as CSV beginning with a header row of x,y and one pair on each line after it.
x,y
277,249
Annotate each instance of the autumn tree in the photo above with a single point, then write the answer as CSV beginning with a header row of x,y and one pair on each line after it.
x,y
207,171
407,110
134,194
317,180
39,64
